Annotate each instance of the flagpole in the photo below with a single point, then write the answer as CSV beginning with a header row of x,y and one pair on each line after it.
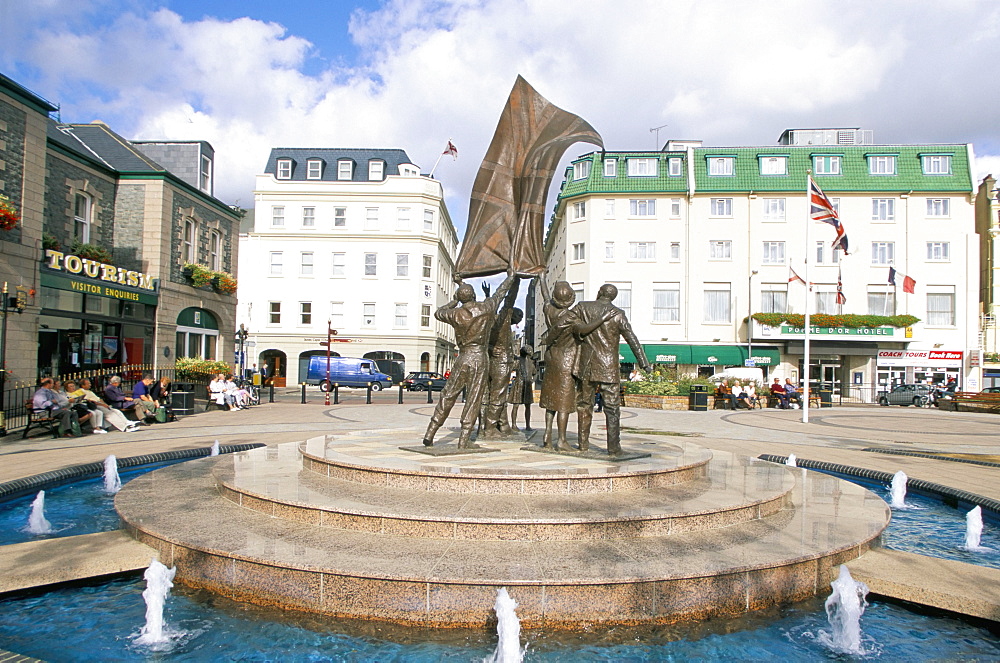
x,y
805,334
436,165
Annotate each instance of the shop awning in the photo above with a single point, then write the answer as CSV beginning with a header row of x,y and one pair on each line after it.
x,y
722,355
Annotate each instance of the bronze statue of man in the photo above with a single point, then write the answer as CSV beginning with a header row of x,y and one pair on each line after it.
x,y
597,365
473,321
522,387
502,358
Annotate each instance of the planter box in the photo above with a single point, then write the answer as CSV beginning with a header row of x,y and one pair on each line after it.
x,y
656,402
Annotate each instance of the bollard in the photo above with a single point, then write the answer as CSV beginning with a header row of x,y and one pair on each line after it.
x,y
430,394
400,393
368,399
270,397
303,393
336,394
463,394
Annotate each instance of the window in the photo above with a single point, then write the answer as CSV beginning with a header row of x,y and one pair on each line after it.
x,y
774,253
881,300
720,249
368,315
278,216
82,211
274,313
306,263
642,207
821,254
305,313
675,166
936,164
773,165
426,268
190,241
400,317
579,210
215,250
675,251
826,165
773,298
376,167
402,264
336,315
371,218
206,174
826,302
284,169
609,250
611,167
308,217
675,208
579,251
339,217
941,305
641,167
667,302
882,164
276,261
938,251
402,218
883,253
609,208
884,209
578,291
721,207
345,169
642,250
717,302
581,170
938,207
339,268
720,166
314,169
624,298
425,315
428,220
774,209
370,264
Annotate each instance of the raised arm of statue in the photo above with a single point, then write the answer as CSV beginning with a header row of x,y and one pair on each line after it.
x,y
544,286
503,289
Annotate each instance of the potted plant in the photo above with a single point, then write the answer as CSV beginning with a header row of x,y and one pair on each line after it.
x,y
198,275
91,252
224,283
49,242
9,217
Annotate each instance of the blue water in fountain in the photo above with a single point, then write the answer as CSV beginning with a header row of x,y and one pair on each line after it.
x,y
99,622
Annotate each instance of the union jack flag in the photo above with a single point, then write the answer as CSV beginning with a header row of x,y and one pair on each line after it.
x,y
821,209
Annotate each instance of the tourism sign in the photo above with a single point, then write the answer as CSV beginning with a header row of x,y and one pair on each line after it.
x,y
924,358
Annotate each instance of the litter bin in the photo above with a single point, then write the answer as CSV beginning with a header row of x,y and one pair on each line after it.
x,y
182,402
698,398
825,397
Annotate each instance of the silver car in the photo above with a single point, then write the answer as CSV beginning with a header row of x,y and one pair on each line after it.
x,y
907,394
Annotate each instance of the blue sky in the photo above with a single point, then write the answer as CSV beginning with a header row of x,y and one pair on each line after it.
x,y
248,76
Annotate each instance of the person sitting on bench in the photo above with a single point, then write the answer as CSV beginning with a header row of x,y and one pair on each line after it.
x,y
47,399
792,392
117,399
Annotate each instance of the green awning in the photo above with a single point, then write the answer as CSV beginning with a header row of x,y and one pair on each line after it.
x,y
722,355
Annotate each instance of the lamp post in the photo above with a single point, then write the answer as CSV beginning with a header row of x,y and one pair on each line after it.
x,y
750,313
7,304
241,336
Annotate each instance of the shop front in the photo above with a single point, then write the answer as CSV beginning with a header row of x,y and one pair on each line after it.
x,y
93,316
704,360
919,366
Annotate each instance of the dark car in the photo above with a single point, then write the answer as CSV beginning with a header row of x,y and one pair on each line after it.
x,y
991,390
906,394
424,380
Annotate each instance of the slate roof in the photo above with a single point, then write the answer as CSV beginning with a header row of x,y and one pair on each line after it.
x,y
111,148
392,157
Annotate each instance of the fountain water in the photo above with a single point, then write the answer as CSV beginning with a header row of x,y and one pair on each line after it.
x,y
159,580
974,530
215,449
36,521
508,630
844,608
897,494
790,461
112,482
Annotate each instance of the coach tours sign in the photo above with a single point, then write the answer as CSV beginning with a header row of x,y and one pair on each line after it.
x,y
70,272
926,358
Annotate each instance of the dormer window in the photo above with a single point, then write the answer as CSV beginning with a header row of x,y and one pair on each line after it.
x,y
284,169
376,167
611,167
314,169
581,170
641,167
206,174
408,170
881,164
720,166
773,165
345,169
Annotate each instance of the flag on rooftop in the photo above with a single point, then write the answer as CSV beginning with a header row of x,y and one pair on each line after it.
x,y
821,209
451,150
898,277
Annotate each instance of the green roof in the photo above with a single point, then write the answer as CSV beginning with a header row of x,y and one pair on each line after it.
x,y
596,182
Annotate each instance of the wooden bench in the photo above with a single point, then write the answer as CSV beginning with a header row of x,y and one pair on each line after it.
x,y
975,401
39,419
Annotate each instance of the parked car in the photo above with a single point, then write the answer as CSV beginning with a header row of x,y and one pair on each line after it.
x,y
991,390
424,380
346,372
906,394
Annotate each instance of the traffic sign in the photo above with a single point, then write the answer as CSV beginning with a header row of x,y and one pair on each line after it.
x,y
750,363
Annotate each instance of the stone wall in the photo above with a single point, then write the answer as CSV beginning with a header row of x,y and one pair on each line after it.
x,y
64,178
12,140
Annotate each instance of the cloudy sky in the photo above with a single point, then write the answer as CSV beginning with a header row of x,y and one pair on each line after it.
x,y
248,75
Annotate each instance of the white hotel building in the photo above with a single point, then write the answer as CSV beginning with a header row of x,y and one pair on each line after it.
x,y
356,237
698,238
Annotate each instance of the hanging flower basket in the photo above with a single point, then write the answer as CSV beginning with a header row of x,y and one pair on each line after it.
x,y
198,275
91,252
224,283
9,217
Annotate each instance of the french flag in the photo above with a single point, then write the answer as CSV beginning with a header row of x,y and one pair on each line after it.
x,y
908,283
821,209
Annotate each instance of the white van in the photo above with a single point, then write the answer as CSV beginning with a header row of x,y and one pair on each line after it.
x,y
739,373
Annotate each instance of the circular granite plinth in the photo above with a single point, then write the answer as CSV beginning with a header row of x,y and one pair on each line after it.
x,y
606,543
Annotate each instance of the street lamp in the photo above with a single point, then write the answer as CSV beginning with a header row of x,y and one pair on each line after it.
x,y
241,336
16,304
750,313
